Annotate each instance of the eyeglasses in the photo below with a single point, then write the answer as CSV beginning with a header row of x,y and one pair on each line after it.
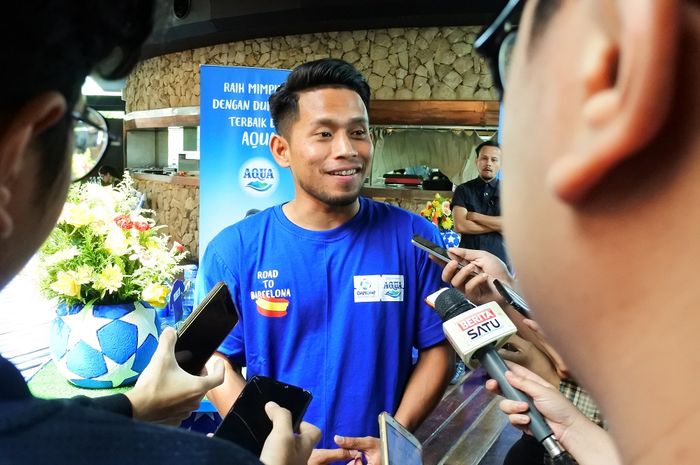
x,y
90,142
496,42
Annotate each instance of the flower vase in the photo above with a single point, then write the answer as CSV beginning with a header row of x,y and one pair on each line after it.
x,y
103,346
450,238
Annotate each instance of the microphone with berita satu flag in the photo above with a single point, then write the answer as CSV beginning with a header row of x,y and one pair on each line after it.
x,y
476,333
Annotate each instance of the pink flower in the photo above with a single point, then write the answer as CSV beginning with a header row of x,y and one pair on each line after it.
x,y
142,226
179,247
124,222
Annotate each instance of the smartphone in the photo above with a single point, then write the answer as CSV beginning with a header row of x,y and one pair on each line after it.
x,y
247,424
512,298
398,446
205,329
432,248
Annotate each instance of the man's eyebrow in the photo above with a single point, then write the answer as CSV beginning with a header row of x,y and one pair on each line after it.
x,y
335,122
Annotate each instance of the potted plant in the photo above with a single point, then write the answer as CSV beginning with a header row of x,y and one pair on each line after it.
x,y
107,266
439,212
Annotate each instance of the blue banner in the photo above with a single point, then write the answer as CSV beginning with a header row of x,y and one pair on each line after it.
x,y
237,172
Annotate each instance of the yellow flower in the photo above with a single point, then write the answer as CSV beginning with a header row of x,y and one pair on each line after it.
x,y
76,214
155,294
83,274
66,285
110,279
116,242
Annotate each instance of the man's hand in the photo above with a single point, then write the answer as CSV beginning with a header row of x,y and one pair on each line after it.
x,y
165,393
526,354
587,442
282,446
554,407
475,280
352,450
546,347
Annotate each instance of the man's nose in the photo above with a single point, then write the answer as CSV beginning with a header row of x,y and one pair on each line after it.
x,y
343,146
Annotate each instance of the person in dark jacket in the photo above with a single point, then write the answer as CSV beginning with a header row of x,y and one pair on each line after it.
x,y
58,44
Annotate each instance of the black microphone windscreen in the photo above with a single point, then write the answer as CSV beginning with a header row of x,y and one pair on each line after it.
x,y
451,303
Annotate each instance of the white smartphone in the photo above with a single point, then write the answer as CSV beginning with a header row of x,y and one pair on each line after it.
x,y
398,446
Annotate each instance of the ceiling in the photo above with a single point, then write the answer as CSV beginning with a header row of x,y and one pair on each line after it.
x,y
210,22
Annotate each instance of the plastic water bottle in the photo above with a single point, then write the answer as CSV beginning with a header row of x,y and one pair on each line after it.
x,y
189,278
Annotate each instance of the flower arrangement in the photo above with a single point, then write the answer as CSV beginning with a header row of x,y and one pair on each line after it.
x,y
106,249
438,212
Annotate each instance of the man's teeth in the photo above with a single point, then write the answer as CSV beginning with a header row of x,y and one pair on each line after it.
x,y
344,172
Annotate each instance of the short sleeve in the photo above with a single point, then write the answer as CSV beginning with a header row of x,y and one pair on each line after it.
x,y
428,324
213,269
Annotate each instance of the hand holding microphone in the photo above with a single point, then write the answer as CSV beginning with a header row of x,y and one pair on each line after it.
x,y
476,333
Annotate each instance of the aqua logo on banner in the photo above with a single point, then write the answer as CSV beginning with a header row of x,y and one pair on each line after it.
x,y
259,177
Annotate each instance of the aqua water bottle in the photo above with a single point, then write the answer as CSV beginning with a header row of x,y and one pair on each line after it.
x,y
190,276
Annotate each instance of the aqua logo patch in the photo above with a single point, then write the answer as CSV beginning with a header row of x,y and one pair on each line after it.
x,y
378,288
392,286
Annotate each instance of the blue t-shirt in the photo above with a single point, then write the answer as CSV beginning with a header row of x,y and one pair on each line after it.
x,y
336,312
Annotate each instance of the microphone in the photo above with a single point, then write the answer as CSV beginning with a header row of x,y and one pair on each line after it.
x,y
476,333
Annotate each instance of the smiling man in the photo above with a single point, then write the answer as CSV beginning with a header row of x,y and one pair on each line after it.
x,y
601,230
329,287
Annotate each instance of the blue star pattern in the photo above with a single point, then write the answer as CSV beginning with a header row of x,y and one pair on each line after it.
x,y
450,238
103,346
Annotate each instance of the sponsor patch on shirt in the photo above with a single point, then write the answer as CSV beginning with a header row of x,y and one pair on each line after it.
x,y
378,288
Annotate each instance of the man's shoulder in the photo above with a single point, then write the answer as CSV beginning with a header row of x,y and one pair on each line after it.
x,y
471,183
385,217
66,426
246,226
388,212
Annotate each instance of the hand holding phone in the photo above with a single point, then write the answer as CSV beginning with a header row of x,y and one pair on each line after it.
x,y
247,423
432,248
436,251
205,329
512,298
399,447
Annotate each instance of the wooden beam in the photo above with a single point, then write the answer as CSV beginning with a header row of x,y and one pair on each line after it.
x,y
161,122
404,112
435,112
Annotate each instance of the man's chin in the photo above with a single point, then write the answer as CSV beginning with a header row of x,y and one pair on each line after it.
x,y
343,200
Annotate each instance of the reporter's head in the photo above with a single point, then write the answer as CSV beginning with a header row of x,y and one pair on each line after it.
x,y
50,47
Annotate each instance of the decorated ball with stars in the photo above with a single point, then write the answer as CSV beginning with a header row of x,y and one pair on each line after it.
x,y
103,346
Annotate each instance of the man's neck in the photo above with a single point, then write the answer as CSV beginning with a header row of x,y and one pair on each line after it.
x,y
676,445
318,216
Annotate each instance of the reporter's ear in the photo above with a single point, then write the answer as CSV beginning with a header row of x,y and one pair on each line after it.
x,y
629,68
24,126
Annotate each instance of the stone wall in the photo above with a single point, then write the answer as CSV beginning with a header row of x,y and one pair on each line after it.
x,y
403,64
176,206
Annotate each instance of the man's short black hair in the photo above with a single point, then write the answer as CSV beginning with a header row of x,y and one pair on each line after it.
x,y
488,143
326,72
107,169
53,45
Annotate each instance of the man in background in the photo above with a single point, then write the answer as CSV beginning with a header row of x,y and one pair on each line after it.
x,y
108,175
476,207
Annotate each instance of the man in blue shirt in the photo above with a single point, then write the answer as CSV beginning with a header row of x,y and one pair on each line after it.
x,y
329,288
